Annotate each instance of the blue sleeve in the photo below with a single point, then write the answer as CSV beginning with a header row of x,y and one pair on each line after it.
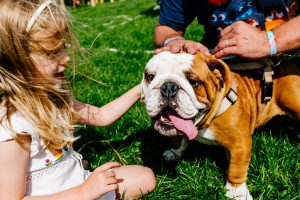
x,y
177,14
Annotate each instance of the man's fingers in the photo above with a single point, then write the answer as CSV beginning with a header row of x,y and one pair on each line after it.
x,y
157,51
187,46
176,49
224,44
227,30
233,29
193,48
227,51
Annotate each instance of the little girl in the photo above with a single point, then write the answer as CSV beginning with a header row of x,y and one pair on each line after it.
x,y
38,115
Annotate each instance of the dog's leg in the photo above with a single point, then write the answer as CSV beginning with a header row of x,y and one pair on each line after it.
x,y
287,84
287,92
238,193
181,144
239,160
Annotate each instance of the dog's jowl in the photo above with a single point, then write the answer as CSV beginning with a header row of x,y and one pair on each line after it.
x,y
199,98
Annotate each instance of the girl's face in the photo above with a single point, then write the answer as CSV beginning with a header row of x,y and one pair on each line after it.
x,y
51,65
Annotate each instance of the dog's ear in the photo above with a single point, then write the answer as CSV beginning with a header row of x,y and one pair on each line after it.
x,y
220,70
220,74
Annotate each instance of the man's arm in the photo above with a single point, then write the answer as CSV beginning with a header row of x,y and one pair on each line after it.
x,y
176,42
162,33
244,40
174,17
287,35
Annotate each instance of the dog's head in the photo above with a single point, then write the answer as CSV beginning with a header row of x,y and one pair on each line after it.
x,y
178,87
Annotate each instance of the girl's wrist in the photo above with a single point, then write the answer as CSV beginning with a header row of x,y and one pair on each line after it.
x,y
138,91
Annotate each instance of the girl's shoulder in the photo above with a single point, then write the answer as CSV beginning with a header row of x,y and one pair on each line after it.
x,y
16,124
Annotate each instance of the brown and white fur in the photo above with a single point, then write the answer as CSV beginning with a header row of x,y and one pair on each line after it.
x,y
185,86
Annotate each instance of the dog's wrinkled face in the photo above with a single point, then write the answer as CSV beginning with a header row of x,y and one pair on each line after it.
x,y
174,90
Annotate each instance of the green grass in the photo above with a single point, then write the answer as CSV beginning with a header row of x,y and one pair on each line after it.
x,y
116,39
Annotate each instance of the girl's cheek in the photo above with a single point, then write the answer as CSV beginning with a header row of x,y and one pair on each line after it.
x,y
51,69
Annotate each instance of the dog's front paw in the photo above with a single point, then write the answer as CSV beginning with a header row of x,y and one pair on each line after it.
x,y
238,193
171,155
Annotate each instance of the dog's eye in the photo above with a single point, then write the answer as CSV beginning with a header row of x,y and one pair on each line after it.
x,y
149,77
194,83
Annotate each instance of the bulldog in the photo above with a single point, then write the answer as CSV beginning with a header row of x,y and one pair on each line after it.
x,y
194,97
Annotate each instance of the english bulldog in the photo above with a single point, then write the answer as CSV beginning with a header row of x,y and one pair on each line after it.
x,y
198,98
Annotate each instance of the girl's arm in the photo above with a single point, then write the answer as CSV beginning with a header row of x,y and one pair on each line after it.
x,y
13,170
109,113
13,174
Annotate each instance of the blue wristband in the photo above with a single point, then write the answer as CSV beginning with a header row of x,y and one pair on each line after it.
x,y
272,43
167,41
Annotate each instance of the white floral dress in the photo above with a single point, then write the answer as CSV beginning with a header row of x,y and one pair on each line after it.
x,y
48,173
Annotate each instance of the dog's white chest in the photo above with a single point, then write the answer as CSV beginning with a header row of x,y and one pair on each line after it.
x,y
206,136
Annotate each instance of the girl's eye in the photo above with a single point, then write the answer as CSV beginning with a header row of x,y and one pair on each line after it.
x,y
52,54
149,77
57,52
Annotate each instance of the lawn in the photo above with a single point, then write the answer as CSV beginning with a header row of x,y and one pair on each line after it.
x,y
116,41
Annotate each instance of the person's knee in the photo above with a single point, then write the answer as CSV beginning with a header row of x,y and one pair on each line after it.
x,y
146,180
137,181
149,178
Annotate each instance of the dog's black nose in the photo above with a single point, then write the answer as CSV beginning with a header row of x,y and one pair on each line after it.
x,y
169,89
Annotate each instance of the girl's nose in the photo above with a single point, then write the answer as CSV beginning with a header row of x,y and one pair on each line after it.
x,y
64,58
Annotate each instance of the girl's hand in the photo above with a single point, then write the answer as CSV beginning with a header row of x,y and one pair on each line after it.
x,y
243,40
181,45
101,181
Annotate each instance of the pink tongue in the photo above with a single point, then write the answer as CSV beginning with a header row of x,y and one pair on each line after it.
x,y
185,125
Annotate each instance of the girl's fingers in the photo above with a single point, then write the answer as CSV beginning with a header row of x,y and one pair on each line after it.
x,y
110,173
108,166
112,187
111,180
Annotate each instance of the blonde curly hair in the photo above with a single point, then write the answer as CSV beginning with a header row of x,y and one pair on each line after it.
x,y
23,89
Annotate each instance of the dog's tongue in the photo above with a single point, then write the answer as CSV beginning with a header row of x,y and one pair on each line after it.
x,y
185,125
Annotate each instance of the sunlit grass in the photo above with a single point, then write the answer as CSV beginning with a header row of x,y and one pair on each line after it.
x,y
116,40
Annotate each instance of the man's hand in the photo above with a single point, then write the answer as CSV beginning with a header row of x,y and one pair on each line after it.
x,y
243,40
181,45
